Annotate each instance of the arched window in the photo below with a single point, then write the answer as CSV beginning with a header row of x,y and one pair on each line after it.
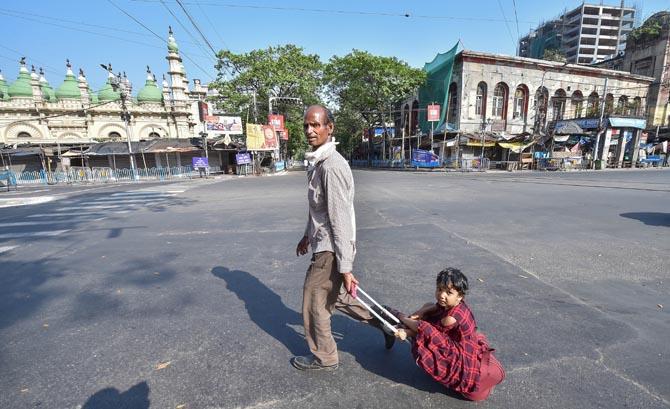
x,y
452,111
480,100
558,104
114,136
154,135
577,104
622,106
520,102
24,135
609,104
500,93
593,105
637,106
541,100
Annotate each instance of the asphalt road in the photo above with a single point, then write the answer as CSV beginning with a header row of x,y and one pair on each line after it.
x,y
156,296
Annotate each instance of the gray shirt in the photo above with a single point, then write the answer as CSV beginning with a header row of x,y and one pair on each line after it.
x,y
331,225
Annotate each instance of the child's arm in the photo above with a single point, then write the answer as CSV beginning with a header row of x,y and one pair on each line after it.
x,y
411,326
427,308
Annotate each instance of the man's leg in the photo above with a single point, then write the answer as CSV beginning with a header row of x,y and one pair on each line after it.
x,y
319,295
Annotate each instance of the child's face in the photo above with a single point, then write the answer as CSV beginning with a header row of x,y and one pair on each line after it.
x,y
447,297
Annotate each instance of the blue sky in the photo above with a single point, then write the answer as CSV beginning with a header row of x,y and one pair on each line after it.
x,y
90,32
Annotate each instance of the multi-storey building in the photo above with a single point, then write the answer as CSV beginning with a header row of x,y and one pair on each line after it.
x,y
586,34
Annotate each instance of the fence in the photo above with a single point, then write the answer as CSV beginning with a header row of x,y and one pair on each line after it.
x,y
467,165
82,175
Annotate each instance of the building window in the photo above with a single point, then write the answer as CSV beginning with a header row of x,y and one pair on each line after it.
x,y
520,102
577,104
622,106
541,98
480,101
154,135
24,135
499,101
114,136
452,111
637,106
558,105
593,105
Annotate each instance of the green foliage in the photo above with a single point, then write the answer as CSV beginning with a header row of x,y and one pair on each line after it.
x,y
650,30
364,86
554,54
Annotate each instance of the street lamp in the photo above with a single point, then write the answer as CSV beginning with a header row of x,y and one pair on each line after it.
x,y
123,85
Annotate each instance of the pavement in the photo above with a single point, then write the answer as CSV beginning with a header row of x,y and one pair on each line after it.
x,y
187,295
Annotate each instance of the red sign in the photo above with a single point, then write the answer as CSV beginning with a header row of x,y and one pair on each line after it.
x,y
203,110
433,112
276,120
283,134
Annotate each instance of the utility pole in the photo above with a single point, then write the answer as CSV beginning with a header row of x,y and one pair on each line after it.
x,y
600,124
123,85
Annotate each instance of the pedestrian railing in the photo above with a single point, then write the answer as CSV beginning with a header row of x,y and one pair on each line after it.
x,y
83,175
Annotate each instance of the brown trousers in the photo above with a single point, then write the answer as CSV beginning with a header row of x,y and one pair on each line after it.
x,y
323,291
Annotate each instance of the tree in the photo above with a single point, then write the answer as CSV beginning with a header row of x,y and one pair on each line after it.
x,y
365,86
554,54
283,70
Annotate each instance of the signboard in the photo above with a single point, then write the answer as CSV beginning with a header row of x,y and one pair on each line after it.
x,y
200,162
203,110
243,158
283,134
276,120
220,125
433,112
424,159
261,137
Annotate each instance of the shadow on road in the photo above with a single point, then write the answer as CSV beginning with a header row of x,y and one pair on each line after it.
x,y
650,218
364,342
136,397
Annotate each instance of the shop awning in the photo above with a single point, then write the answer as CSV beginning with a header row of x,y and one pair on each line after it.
x,y
114,148
516,147
171,145
561,138
567,128
23,151
627,122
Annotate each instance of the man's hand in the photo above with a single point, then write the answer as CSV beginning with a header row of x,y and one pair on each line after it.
x,y
350,283
303,246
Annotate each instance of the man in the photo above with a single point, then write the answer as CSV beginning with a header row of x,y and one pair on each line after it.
x,y
331,233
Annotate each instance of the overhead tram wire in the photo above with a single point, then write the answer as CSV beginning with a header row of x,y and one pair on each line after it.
x,y
502,12
202,35
159,37
178,20
516,18
213,26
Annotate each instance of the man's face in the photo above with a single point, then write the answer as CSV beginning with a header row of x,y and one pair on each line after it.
x,y
317,128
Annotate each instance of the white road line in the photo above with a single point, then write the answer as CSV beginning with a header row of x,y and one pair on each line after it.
x,y
129,200
138,193
34,223
91,207
33,234
80,215
4,249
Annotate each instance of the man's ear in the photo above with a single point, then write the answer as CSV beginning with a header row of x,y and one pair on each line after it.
x,y
330,128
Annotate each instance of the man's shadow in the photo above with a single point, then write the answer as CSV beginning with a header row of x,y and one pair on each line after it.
x,y
136,397
365,343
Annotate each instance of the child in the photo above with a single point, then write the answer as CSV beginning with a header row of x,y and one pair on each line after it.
x,y
445,341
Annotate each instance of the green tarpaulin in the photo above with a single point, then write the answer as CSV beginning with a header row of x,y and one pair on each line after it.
x,y
436,88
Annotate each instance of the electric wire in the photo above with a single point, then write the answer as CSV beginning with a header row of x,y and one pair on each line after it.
x,y
196,41
502,12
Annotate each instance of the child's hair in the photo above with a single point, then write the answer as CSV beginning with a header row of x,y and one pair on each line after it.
x,y
453,277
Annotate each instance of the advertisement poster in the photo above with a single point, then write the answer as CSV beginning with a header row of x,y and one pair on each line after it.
x,y
424,159
261,137
219,125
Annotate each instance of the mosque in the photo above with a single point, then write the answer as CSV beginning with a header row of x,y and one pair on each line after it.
x,y
37,119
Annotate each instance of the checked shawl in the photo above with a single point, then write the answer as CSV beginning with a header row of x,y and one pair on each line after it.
x,y
450,354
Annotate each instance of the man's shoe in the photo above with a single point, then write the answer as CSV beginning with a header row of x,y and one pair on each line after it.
x,y
389,340
309,363
389,337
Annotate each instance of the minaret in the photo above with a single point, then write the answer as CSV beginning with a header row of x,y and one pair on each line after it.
x,y
166,91
35,84
83,87
175,70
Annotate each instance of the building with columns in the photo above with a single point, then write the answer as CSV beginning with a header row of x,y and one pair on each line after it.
x,y
72,114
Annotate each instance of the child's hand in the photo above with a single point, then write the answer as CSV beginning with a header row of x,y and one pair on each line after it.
x,y
414,317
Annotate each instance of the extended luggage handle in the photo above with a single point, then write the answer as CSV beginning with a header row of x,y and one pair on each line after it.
x,y
400,333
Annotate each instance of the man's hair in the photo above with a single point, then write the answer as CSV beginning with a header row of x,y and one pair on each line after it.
x,y
453,277
330,118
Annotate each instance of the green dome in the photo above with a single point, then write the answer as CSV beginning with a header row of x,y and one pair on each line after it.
x,y
150,92
107,93
69,89
47,92
21,88
93,96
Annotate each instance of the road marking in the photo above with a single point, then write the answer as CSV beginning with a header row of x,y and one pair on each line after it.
x,y
5,249
25,201
81,215
128,200
34,234
138,193
33,223
93,207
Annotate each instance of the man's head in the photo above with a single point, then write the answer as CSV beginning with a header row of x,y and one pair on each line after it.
x,y
318,125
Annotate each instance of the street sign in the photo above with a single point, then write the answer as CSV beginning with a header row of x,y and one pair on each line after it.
x,y
200,162
277,121
433,112
242,158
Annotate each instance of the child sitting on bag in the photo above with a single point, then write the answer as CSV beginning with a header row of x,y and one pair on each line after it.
x,y
445,341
